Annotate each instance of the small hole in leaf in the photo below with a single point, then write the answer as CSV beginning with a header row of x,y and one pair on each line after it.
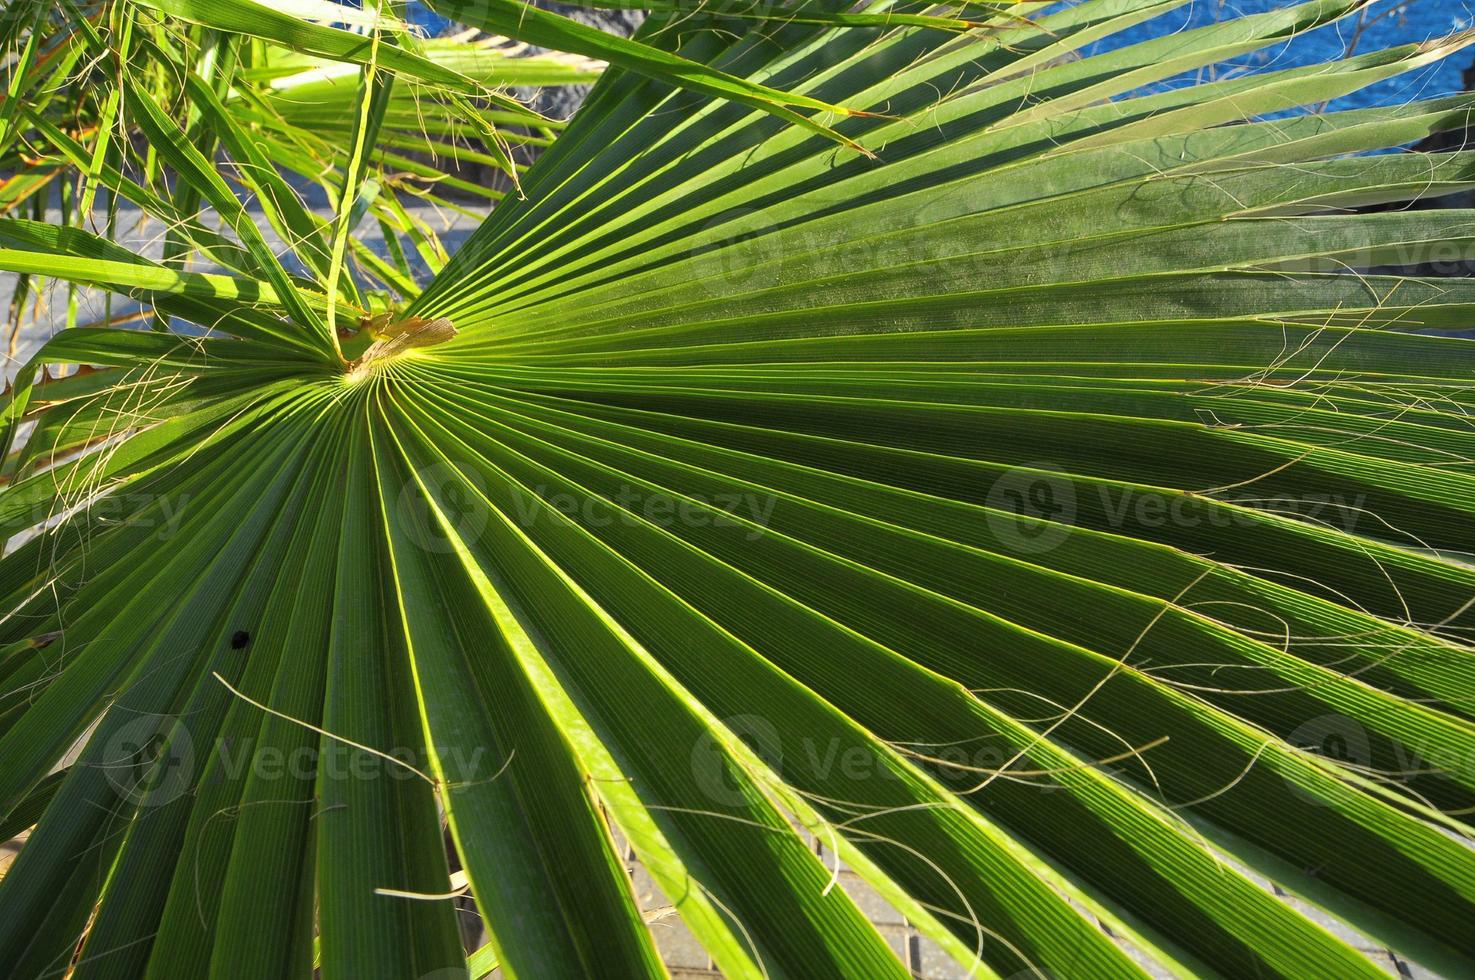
x,y
239,640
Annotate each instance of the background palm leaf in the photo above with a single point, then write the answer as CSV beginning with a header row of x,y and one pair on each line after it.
x,y
91,85
1019,496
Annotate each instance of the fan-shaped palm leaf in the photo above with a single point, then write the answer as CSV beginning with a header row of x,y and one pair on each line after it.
x,y
1022,513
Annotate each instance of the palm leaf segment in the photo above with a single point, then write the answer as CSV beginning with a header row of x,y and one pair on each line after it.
x,y
1049,471
91,90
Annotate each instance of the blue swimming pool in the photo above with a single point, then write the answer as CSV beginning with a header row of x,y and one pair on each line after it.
x,y
1419,20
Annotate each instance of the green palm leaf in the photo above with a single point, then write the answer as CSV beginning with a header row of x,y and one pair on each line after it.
x,y
1044,507
95,89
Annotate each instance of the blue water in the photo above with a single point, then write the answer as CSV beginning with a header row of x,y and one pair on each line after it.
x,y
1413,21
